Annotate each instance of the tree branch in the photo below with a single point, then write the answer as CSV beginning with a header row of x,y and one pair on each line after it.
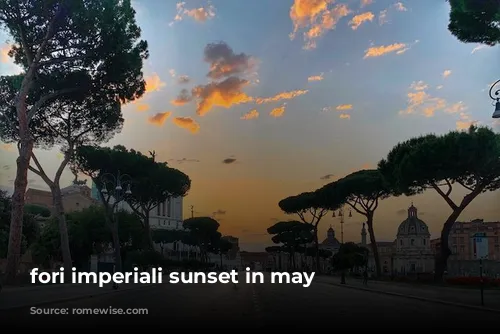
x,y
60,60
39,170
46,98
353,205
447,198
465,186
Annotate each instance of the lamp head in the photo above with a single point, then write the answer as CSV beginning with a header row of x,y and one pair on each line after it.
x,y
496,114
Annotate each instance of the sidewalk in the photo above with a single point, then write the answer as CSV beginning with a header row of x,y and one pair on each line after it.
x,y
17,297
471,297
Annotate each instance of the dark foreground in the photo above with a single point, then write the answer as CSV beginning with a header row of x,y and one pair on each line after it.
x,y
266,306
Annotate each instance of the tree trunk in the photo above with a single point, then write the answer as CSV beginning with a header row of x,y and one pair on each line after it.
x,y
444,250
63,227
316,246
16,222
116,244
373,243
149,244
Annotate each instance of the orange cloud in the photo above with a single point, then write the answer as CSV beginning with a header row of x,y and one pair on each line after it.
x,y
225,94
4,53
458,107
160,118
317,17
365,3
377,51
359,19
200,14
344,107
400,7
183,98
281,96
224,62
419,85
187,123
278,112
446,73
344,116
252,114
315,78
154,83
142,107
465,122
420,100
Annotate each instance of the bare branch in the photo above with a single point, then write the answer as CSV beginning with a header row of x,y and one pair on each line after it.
x,y
46,98
447,198
353,205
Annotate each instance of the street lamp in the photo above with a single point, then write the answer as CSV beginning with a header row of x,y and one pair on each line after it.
x,y
341,216
495,96
116,184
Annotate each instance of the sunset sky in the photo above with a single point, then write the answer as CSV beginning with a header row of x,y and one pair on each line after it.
x,y
259,100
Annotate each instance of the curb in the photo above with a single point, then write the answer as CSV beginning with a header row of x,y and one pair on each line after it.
x,y
70,299
429,300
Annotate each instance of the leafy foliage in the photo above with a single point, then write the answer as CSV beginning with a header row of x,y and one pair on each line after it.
x,y
469,158
89,234
475,21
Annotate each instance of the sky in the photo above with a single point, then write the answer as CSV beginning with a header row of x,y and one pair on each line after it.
x,y
260,100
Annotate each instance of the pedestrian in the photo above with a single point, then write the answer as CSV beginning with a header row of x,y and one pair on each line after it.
x,y
365,277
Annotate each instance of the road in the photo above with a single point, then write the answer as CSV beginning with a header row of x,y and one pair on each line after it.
x,y
254,306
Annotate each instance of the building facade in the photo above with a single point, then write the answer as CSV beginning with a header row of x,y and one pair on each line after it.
x,y
464,258
74,197
412,252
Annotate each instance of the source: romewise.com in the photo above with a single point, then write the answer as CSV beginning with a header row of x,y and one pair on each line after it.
x,y
87,311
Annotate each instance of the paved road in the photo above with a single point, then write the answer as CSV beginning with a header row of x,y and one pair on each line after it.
x,y
266,306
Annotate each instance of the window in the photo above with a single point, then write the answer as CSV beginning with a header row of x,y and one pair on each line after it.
x,y
158,209
412,242
425,242
462,249
461,240
401,242
163,209
169,207
454,240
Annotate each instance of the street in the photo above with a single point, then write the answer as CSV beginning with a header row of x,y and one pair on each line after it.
x,y
252,306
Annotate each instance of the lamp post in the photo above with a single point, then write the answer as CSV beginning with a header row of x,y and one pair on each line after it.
x,y
495,96
116,184
341,214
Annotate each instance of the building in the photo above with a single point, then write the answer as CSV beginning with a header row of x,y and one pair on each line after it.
x,y
410,253
413,253
463,259
74,197
385,252
331,243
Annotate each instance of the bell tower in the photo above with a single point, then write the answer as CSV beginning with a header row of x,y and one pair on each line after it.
x,y
412,211
363,235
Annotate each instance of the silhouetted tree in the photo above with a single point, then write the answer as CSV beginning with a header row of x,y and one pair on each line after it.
x,y
203,232
304,205
292,235
475,21
470,159
66,49
362,191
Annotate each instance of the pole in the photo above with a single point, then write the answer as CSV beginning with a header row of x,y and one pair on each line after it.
x,y
192,211
481,280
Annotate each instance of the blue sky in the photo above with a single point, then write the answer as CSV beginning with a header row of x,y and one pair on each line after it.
x,y
289,152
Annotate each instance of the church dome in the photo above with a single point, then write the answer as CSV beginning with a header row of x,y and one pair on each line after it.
x,y
331,241
413,226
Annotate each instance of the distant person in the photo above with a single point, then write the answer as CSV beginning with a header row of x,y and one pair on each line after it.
x,y
365,277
